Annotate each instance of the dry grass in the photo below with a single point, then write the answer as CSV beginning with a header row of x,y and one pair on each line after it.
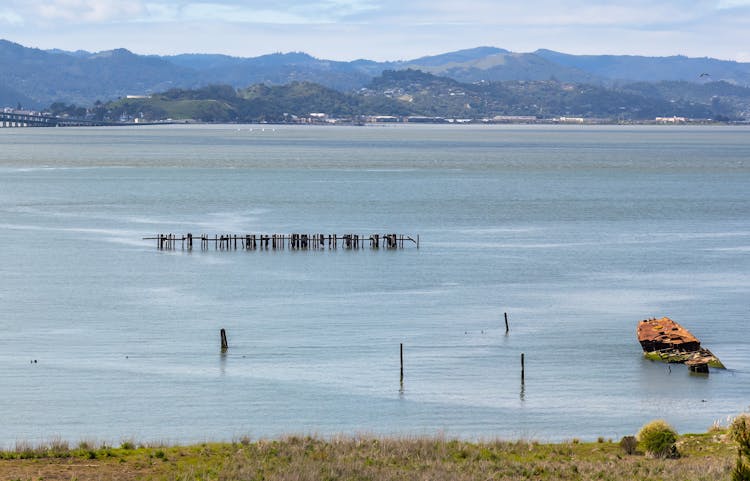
x,y
297,458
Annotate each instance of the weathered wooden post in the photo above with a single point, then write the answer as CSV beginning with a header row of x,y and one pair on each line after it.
x,y
224,344
522,369
506,323
401,352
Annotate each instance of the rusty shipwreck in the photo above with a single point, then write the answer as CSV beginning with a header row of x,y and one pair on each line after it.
x,y
665,340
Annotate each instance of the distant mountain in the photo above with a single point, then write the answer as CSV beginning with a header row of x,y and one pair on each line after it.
x,y
416,93
427,94
276,69
652,69
13,98
491,64
458,57
260,102
37,78
725,99
43,77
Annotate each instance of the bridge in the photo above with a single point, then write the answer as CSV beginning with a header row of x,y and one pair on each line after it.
x,y
16,118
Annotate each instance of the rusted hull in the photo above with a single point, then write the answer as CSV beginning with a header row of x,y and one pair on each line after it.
x,y
666,340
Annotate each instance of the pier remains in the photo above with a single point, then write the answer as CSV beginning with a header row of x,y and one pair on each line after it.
x,y
251,242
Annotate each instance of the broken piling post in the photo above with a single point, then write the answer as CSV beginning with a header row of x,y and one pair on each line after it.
x,y
401,352
224,344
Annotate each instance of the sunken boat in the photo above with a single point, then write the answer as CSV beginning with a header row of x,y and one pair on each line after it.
x,y
665,340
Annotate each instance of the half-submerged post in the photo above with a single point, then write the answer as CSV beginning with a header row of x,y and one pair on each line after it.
x,y
224,344
506,323
522,369
401,352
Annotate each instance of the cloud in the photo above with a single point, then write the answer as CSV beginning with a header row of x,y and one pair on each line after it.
x,y
10,17
537,12
552,13
725,4
282,12
40,12
382,29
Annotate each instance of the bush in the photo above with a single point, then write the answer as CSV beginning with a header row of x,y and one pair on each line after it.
x,y
740,433
741,471
657,439
628,444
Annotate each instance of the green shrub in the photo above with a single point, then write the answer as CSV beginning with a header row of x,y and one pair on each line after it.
x,y
741,471
657,439
629,444
740,433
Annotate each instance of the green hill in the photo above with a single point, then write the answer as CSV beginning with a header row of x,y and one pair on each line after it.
x,y
416,93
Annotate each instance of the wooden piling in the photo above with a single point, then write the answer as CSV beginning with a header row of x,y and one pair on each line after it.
x,y
224,343
317,241
401,355
523,370
507,329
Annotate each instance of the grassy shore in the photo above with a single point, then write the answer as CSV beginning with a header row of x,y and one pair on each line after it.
x,y
707,457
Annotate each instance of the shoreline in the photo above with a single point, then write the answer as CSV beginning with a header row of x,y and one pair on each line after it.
x,y
709,455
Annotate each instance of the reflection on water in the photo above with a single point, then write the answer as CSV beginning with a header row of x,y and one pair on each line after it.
x,y
576,233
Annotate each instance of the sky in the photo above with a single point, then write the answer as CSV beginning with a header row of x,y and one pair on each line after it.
x,y
382,29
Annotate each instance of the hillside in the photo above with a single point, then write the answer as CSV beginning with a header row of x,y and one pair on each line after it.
x,y
630,68
427,94
41,78
257,103
416,93
36,78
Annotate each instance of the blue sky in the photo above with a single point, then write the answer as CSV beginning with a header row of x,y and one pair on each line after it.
x,y
382,29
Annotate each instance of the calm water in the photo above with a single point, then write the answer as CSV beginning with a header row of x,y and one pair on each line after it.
x,y
576,232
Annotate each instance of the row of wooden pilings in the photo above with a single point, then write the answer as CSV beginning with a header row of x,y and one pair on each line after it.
x,y
282,241
225,347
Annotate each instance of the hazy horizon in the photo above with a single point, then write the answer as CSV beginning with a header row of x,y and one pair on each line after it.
x,y
381,30
301,51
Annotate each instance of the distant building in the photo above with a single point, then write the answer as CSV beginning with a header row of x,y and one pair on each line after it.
x,y
570,120
510,119
384,118
671,120
418,119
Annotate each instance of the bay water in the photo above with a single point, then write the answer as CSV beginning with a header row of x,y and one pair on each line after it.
x,y
577,232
